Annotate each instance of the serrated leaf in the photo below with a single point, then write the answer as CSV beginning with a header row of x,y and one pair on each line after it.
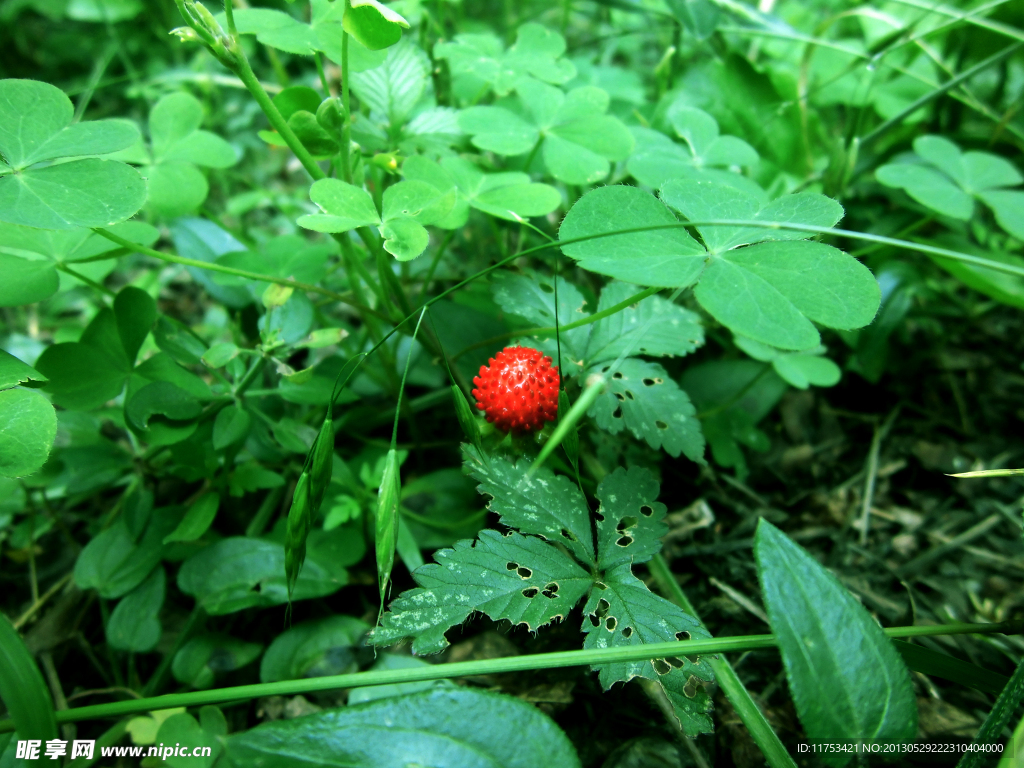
x,y
626,613
630,519
664,257
515,577
28,425
654,326
642,397
847,680
393,89
546,504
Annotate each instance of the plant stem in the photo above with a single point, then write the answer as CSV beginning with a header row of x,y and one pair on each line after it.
x,y
157,680
760,730
555,660
997,719
346,126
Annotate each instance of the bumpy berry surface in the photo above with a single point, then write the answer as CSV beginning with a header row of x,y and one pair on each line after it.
x,y
518,390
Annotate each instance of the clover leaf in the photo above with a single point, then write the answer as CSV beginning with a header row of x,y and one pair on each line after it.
x,y
800,369
510,196
576,139
753,280
478,62
943,178
48,178
407,206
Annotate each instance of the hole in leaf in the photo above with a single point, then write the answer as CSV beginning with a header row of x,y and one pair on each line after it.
x,y
546,288
620,396
624,541
627,632
524,572
692,686
682,635
599,516
602,608
661,667
630,395
617,375
610,623
676,662
646,510
660,424
626,523
567,534
511,566
550,590
617,414
600,585
531,592
594,620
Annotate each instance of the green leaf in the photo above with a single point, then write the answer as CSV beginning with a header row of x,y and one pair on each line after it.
x,y
344,207
546,504
929,662
318,141
626,613
663,257
231,426
404,239
700,132
26,282
1008,208
197,520
444,728
630,518
35,125
14,372
197,661
28,425
241,572
642,397
577,140
25,695
80,193
175,188
515,577
134,624
114,564
699,17
183,729
847,680
389,496
928,187
162,413
974,171
393,89
1007,288
390,662
315,648
654,327
374,25
135,312
479,58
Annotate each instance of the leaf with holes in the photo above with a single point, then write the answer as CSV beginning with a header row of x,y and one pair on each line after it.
x,y
621,611
642,397
546,504
515,577
630,519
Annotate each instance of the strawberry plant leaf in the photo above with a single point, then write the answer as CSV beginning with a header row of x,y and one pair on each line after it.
x,y
28,425
621,611
642,397
393,89
515,577
847,679
655,327
444,727
546,505
630,519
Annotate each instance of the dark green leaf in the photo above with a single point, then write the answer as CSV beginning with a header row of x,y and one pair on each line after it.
x,y
134,624
198,661
313,649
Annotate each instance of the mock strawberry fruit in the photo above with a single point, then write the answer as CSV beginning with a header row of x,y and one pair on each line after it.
x,y
518,390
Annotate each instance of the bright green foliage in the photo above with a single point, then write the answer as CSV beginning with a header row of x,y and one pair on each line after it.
x,y
758,290
198,659
313,649
374,25
14,372
944,179
407,206
197,519
527,580
24,693
389,496
847,679
445,727
134,623
36,127
28,425
182,728
800,369
640,395
116,561
576,139
510,195
284,32
478,62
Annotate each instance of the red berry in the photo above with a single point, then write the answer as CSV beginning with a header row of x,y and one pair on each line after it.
x,y
519,391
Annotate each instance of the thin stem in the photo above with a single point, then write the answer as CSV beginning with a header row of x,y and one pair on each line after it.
x,y
557,660
346,109
760,730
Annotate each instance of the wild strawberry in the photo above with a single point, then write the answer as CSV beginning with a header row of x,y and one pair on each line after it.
x,y
519,391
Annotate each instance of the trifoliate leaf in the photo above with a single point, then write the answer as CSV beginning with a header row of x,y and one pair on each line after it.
x,y
643,397
621,611
489,575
